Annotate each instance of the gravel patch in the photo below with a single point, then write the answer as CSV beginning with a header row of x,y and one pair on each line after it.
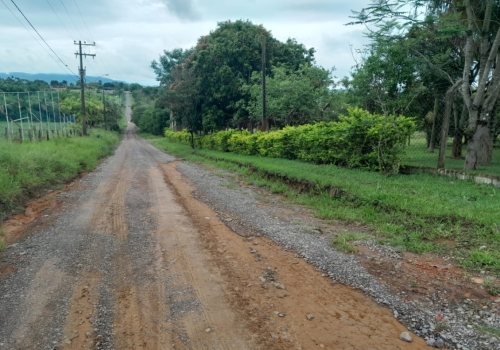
x,y
459,324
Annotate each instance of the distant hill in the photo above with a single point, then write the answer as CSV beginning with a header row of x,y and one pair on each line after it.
x,y
53,76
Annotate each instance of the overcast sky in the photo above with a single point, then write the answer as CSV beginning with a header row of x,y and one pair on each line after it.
x,y
129,34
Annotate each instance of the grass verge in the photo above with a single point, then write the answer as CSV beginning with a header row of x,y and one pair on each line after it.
x,y
420,212
341,242
29,168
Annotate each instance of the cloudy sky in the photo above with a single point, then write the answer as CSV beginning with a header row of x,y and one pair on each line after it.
x,y
129,34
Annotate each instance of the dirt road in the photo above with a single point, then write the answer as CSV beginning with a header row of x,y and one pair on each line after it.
x,y
129,259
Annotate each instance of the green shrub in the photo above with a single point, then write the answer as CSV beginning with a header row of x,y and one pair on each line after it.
x,y
243,143
358,140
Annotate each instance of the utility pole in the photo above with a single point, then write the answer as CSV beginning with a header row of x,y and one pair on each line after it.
x,y
265,127
82,81
104,109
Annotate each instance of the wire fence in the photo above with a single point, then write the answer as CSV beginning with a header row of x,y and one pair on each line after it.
x,y
34,116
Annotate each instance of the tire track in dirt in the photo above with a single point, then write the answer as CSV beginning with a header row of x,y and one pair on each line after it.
x,y
108,217
199,317
343,317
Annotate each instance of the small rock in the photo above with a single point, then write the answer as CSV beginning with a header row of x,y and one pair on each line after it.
x,y
274,336
207,217
309,317
262,279
439,343
477,280
405,336
482,247
284,329
398,266
469,326
431,342
281,314
208,330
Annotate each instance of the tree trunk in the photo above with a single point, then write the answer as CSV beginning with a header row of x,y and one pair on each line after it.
x,y
192,139
479,148
446,123
456,152
432,141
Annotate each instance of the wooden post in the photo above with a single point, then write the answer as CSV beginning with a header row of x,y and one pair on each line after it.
x,y
6,133
48,137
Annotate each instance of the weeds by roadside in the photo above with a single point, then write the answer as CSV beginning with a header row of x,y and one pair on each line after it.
x,y
29,168
341,242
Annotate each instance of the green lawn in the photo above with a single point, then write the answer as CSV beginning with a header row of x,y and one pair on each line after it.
x,y
418,212
417,155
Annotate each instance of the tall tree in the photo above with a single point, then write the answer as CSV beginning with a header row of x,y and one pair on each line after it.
x,y
473,27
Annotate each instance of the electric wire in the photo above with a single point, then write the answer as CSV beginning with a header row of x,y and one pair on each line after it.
x,y
36,31
34,37
71,18
88,30
60,20
83,19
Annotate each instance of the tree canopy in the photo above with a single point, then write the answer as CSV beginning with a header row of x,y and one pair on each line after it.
x,y
434,45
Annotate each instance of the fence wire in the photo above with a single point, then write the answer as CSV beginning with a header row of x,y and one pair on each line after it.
x,y
32,116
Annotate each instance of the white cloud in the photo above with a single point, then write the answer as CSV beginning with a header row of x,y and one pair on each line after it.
x,y
130,34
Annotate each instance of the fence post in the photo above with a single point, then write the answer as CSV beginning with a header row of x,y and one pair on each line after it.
x,y
48,137
20,135
39,134
30,136
7,133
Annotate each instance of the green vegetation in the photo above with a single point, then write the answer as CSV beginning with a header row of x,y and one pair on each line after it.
x,y
492,287
29,168
341,242
417,155
489,330
419,212
358,140
426,54
412,67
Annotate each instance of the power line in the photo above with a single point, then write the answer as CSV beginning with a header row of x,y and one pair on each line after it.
x,y
88,30
39,43
27,20
83,19
71,36
71,18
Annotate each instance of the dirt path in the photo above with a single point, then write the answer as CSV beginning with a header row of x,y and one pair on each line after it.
x,y
130,260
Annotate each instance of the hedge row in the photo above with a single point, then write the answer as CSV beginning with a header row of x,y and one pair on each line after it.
x,y
358,140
